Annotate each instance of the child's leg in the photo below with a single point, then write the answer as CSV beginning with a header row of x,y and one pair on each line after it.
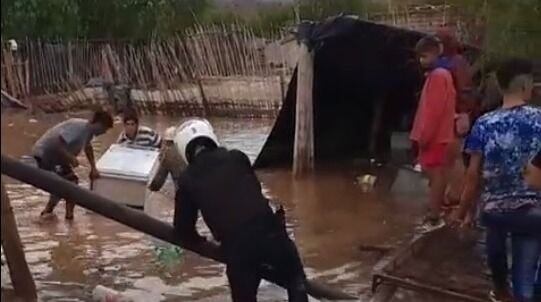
x,y
438,185
457,170
68,174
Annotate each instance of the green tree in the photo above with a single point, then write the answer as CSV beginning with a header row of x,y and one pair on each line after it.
x,y
35,18
512,28
129,19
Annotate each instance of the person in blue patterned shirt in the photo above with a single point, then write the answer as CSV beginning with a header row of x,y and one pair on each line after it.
x,y
501,144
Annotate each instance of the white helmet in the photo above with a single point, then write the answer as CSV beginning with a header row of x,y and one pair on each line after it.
x,y
169,134
190,130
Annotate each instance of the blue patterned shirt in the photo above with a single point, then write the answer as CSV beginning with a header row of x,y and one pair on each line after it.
x,y
507,139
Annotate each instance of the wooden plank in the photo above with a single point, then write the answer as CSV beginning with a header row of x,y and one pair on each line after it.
x,y
303,153
22,280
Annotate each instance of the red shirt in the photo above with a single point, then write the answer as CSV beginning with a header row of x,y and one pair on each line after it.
x,y
434,120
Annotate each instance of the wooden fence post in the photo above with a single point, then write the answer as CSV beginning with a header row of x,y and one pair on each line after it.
x,y
27,76
22,280
303,153
70,62
206,107
8,61
283,87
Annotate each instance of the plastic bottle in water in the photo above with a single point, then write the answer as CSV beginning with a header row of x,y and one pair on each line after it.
x,y
166,253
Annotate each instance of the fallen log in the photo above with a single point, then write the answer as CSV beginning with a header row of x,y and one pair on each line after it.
x,y
135,219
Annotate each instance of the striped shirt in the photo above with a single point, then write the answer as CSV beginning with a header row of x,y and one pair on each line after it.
x,y
145,137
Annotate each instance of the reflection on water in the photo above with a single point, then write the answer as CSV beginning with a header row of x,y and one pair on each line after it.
x,y
328,215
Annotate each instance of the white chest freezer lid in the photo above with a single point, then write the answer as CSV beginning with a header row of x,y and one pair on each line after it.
x,y
128,162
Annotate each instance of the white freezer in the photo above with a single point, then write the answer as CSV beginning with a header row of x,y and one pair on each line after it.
x,y
125,173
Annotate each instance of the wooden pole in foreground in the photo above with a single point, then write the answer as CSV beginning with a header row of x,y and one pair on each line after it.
x,y
303,153
22,280
137,220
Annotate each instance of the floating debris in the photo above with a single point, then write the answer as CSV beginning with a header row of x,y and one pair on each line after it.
x,y
367,182
105,294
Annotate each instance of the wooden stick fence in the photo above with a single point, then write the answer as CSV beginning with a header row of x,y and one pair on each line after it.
x,y
212,69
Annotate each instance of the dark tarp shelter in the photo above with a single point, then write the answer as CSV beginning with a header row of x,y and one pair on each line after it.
x,y
359,67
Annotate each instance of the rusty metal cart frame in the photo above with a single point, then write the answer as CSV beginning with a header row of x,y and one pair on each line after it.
x,y
383,276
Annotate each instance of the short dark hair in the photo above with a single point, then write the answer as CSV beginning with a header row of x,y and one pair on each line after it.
x,y
103,117
512,68
130,115
428,43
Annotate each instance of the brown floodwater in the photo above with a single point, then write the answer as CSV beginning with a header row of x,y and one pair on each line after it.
x,y
328,215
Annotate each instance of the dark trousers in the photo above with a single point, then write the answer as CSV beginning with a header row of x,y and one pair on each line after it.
x,y
263,245
524,228
65,171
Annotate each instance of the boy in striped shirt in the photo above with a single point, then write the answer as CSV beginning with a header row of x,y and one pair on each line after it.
x,y
135,134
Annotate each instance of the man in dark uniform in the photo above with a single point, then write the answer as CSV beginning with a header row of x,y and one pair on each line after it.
x,y
222,185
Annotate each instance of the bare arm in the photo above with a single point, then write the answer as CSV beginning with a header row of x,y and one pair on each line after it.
x,y
161,174
532,175
471,186
89,152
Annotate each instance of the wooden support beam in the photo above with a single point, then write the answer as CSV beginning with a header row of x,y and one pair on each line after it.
x,y
136,219
22,280
303,153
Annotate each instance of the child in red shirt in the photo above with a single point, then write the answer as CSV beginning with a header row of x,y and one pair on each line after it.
x,y
433,128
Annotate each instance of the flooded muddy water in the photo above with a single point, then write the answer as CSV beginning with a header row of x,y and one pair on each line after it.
x,y
329,217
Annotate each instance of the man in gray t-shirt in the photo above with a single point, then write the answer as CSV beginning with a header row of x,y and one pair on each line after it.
x,y
57,150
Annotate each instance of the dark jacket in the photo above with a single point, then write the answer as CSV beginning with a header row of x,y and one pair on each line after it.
x,y
223,186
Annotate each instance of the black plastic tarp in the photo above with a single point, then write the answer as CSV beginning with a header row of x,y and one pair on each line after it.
x,y
358,66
